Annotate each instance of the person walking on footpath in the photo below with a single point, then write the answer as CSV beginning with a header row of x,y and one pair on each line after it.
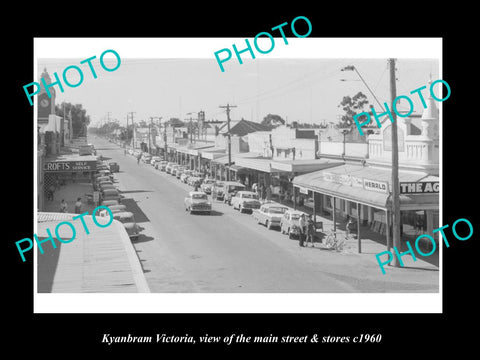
x,y
50,192
78,206
302,223
310,230
350,225
63,206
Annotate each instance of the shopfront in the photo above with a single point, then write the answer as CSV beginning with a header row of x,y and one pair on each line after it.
x,y
364,193
65,169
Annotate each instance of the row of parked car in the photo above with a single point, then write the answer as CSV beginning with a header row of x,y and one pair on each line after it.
x,y
271,215
104,183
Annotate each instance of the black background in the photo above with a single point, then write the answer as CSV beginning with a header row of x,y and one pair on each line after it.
x,y
80,334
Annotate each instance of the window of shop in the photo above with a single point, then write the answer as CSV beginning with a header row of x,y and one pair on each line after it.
x,y
413,223
353,209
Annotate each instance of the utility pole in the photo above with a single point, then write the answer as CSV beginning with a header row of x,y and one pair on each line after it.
x,y
395,181
133,127
227,107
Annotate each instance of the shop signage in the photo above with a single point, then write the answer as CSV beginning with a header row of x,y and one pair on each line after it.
x,y
375,185
69,166
343,179
303,190
423,187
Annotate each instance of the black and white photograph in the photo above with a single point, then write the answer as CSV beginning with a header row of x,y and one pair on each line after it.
x,y
265,178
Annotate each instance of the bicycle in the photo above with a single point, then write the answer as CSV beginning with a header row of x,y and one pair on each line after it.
x,y
335,242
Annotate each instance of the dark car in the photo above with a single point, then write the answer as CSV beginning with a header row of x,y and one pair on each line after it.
x,y
114,167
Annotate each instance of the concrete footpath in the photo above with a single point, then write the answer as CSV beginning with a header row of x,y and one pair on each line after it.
x,y
372,243
103,261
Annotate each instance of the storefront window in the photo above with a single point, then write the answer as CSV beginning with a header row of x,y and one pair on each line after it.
x,y
413,223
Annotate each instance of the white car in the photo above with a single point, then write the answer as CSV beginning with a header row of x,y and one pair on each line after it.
x,y
269,214
197,201
155,160
246,200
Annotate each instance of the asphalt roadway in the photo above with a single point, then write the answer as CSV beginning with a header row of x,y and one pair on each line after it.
x,y
228,252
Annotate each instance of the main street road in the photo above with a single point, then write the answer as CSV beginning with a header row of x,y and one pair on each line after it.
x,y
225,251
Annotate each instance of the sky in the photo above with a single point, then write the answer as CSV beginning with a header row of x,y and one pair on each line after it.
x,y
300,85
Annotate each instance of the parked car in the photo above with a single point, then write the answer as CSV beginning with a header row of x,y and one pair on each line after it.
x,y
207,185
217,191
269,214
290,223
161,165
111,194
104,187
117,207
146,157
197,201
104,173
155,160
114,167
246,200
230,189
110,202
185,175
173,170
179,171
102,167
128,220
195,181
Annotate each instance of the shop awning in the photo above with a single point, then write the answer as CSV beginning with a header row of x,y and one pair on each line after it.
x,y
304,166
221,160
260,164
240,169
367,185
212,153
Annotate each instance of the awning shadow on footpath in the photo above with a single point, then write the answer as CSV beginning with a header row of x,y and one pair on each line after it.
x,y
132,206
47,266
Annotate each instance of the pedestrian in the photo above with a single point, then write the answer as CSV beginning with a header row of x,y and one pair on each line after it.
x,y
349,226
63,206
310,230
302,223
78,206
50,191
138,159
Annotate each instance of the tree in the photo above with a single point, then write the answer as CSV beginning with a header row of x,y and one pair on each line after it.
x,y
273,120
352,106
80,119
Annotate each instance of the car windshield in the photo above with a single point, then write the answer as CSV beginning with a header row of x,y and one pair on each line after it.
x,y
250,196
276,210
199,196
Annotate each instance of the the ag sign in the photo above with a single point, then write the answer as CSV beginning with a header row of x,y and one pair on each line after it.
x,y
423,187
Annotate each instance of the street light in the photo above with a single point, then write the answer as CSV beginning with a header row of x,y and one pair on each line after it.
x,y
353,68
